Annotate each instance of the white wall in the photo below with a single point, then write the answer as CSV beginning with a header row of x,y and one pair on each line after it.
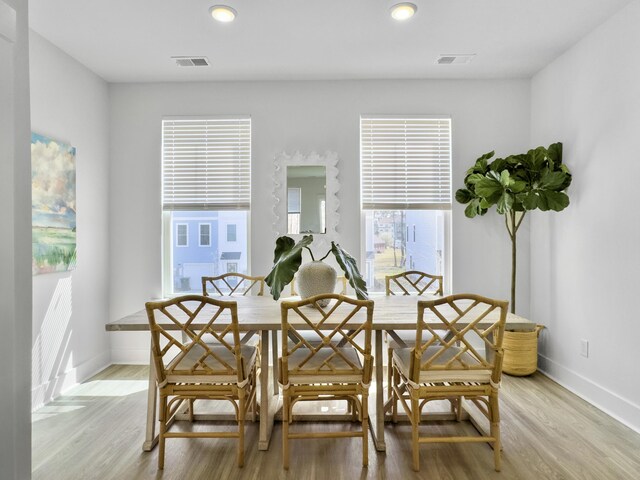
x,y
585,261
15,243
303,116
70,103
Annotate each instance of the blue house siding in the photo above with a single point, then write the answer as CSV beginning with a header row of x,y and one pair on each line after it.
x,y
425,247
193,261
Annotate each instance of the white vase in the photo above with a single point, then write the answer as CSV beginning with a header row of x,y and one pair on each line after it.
x,y
315,278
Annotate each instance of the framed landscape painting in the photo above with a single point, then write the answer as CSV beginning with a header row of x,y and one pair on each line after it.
x,y
53,212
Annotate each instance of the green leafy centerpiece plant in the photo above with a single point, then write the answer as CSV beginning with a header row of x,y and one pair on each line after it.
x,y
288,258
515,185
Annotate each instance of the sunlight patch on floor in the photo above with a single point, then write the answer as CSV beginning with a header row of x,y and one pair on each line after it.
x,y
108,388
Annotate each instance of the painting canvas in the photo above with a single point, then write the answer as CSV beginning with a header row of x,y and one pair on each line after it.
x,y
53,213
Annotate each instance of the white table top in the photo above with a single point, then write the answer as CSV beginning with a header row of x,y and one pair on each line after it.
x,y
263,313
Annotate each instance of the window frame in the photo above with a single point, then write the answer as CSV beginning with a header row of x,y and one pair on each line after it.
x,y
167,237
447,257
200,225
235,232
178,225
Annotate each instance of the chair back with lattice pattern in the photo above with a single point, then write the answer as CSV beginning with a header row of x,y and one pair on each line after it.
x,y
229,284
178,330
413,282
466,334
337,355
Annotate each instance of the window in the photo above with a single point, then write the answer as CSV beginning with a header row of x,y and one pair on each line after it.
x,y
205,234
232,267
231,232
294,209
405,165
182,235
206,188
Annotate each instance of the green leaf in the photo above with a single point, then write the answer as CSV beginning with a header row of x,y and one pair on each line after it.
x,y
489,188
473,178
552,180
518,186
498,165
472,209
555,155
464,196
350,269
538,157
505,178
287,260
530,201
505,203
556,201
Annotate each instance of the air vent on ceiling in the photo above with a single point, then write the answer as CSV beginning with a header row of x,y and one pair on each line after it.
x,y
455,59
191,61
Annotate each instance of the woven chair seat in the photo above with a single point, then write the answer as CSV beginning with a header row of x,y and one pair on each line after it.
x,y
402,359
183,367
342,373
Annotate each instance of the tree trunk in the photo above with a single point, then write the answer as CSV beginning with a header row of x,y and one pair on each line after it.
x,y
513,268
513,220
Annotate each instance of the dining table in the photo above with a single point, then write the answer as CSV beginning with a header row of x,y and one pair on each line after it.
x,y
261,316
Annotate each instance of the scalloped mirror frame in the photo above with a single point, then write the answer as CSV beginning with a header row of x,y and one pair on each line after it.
x,y
329,160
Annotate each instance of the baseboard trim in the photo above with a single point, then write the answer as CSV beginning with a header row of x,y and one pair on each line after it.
x,y
130,356
617,407
61,383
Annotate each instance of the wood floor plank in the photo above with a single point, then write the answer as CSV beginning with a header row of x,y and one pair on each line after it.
x,y
96,430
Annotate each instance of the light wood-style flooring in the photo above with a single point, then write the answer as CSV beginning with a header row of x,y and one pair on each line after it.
x,y
96,431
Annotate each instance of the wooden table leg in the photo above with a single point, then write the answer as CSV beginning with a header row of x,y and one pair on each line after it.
x,y
377,433
268,403
274,359
151,439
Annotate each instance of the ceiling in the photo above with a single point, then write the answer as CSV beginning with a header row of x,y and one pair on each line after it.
x,y
131,41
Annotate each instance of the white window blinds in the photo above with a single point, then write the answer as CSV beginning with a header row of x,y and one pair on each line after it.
x,y
206,164
405,163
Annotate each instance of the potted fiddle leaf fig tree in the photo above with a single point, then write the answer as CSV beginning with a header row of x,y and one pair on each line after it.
x,y
516,185
314,277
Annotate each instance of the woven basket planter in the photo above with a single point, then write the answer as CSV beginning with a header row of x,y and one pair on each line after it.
x,y
521,352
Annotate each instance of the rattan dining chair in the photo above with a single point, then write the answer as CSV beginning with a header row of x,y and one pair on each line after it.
x,y
437,369
240,284
336,368
192,370
412,282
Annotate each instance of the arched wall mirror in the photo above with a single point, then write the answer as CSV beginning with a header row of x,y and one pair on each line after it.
x,y
305,195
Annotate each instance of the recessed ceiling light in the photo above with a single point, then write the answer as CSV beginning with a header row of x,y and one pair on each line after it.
x,y
223,13
403,11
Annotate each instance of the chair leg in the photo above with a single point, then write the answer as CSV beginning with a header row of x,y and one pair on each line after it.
x,y
191,402
495,429
274,359
365,429
459,410
285,431
389,372
162,417
241,416
394,397
415,423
